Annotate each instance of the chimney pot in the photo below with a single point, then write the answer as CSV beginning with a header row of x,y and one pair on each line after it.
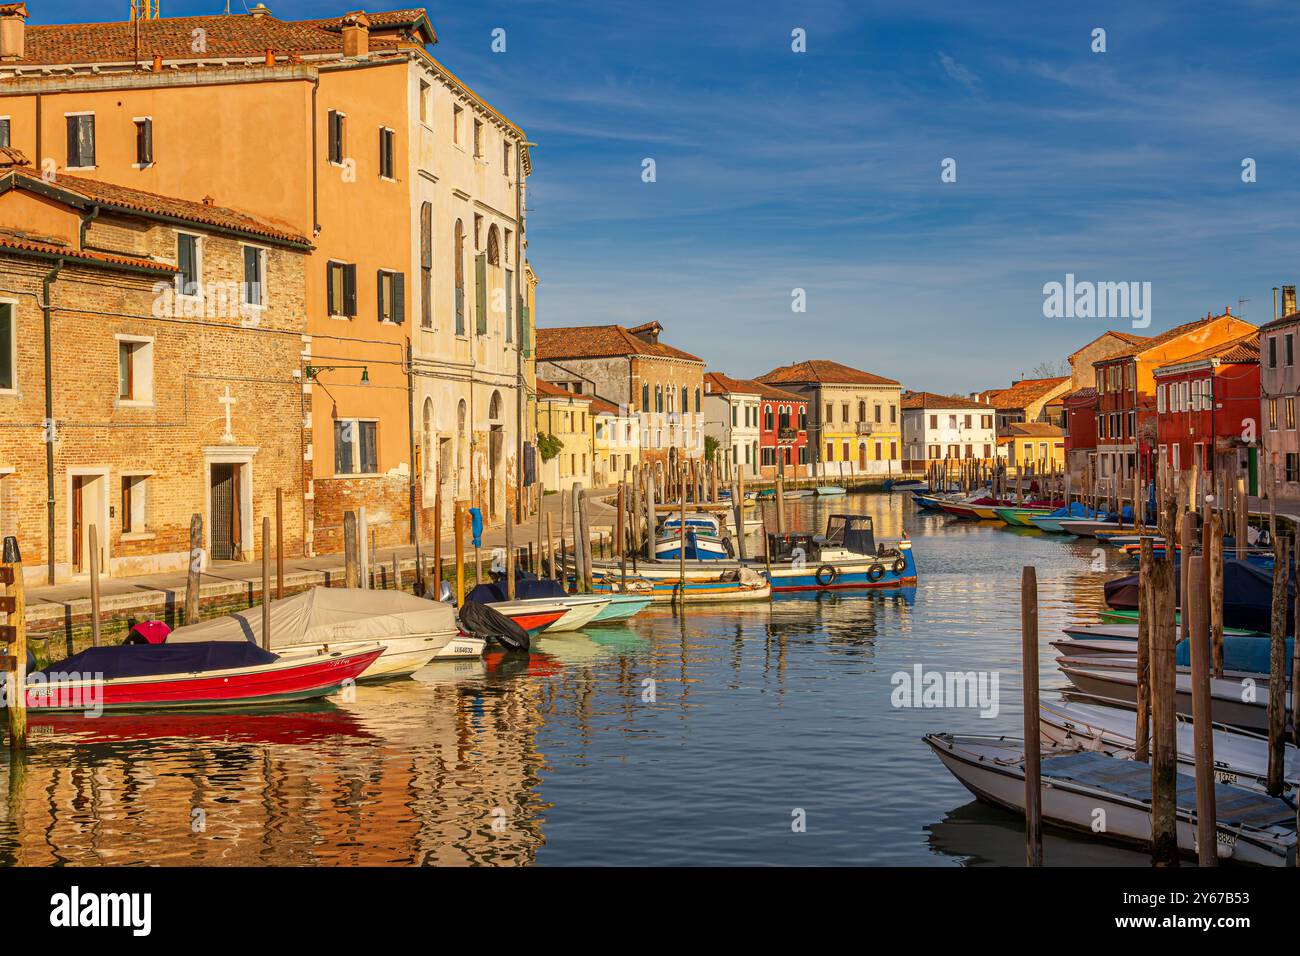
x,y
1288,299
356,34
13,27
270,57
261,10
157,62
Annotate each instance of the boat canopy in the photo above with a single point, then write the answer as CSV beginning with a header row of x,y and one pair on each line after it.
x,y
525,589
327,616
852,532
152,660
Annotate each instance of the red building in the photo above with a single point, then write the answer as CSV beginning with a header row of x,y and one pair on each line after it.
x,y
1079,413
1207,409
782,432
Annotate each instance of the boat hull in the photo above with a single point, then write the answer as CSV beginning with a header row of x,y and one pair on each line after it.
x,y
291,677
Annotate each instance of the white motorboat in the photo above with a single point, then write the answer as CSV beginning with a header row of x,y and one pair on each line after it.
x,y
412,630
1240,758
1252,827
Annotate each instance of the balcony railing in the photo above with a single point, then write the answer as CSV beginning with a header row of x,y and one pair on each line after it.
x,y
865,428
787,434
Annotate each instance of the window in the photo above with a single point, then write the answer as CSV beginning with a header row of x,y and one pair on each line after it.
x,y
387,140
254,288
391,306
458,268
844,413
144,141
893,414
426,265
354,447
1292,466
509,290
8,348
846,452
767,418
335,137
803,418
81,140
187,262
4,131
862,411
803,454
478,139
1272,351
830,413
505,158
134,371
1160,399
878,415
988,451
934,422
659,398
135,498
1272,413
341,289
697,401
1290,354
456,112
1289,406
986,421
645,396
426,103
830,452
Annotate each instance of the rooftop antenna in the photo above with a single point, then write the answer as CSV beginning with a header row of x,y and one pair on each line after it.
x,y
146,9
1241,308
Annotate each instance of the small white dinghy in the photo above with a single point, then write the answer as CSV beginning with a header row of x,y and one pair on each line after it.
x,y
1240,758
1252,827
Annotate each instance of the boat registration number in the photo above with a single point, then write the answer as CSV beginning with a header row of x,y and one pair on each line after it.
x,y
1224,776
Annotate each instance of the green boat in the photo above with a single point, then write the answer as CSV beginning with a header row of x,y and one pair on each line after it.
x,y
621,607
1127,616
1019,517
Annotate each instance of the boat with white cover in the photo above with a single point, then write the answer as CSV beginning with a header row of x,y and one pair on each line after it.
x,y
412,630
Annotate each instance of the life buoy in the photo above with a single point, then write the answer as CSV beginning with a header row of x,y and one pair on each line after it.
x,y
900,565
826,574
875,572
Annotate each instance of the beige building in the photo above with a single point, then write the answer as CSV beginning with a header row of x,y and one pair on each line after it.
x,y
564,424
615,443
856,427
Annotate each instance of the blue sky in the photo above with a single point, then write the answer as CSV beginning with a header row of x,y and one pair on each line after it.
x,y
821,170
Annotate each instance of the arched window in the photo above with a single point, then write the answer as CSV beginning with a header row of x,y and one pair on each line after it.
x,y
685,400
493,246
767,418
426,265
862,411
645,396
459,269
697,400
494,408
659,399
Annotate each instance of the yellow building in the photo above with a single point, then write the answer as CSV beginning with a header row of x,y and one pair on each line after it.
x,y
856,427
1033,445
565,418
615,442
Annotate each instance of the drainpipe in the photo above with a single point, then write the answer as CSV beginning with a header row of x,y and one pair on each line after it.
x,y
46,311
410,427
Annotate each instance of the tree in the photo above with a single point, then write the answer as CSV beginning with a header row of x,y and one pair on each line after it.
x,y
710,447
548,446
1051,370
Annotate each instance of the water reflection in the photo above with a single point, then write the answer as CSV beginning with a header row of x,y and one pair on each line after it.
x,y
679,737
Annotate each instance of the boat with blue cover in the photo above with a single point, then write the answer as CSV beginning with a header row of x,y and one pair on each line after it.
x,y
1052,522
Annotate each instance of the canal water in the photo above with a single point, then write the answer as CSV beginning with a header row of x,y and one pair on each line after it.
x,y
767,733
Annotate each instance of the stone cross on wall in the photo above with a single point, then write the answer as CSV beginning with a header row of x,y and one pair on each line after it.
x,y
228,400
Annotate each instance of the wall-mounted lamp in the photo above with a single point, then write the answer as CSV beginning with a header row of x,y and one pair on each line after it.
x,y
311,371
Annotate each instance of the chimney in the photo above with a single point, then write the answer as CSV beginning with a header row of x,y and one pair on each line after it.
x,y
648,333
259,11
157,62
1288,299
13,18
356,34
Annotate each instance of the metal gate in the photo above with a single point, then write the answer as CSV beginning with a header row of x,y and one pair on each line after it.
x,y
224,487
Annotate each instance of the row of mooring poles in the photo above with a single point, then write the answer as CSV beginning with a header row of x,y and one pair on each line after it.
x,y
1182,500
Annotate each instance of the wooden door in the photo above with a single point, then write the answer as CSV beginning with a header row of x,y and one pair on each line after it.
x,y
224,507
78,522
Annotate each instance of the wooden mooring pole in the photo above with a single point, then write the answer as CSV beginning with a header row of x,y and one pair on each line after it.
x,y
1276,667
510,554
351,570
622,545
1164,720
93,534
1033,755
195,570
458,521
1197,607
279,542
14,633
1142,725
266,582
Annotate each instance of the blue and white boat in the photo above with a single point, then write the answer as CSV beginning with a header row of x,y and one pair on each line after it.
x,y
700,546
846,557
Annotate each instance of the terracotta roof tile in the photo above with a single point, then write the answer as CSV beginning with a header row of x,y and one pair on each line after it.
x,y
234,35
546,390
1022,393
601,341
823,372
933,400
715,383
151,204
1243,349
1162,339
1031,430
20,244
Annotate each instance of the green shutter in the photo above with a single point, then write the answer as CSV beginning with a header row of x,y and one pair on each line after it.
x,y
480,293
399,297
525,329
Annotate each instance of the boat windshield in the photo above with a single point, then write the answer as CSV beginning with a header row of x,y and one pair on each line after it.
x,y
852,532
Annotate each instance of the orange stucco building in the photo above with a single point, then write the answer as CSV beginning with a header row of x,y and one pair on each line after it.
x,y
409,186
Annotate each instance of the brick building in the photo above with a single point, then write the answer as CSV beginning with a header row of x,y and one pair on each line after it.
x,y
631,368
1279,373
158,405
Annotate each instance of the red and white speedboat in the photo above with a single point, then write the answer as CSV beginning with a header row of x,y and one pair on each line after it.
x,y
205,674
533,616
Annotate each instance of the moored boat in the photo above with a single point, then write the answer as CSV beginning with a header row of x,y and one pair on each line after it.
x,y
845,557
826,491
1018,517
1251,827
723,586
700,546
412,630
193,674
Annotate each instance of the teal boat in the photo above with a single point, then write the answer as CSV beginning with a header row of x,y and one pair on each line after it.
x,y
1128,616
621,607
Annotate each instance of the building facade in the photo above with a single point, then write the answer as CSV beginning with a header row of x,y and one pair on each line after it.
x,y
782,433
615,444
1207,410
662,385
731,414
564,434
158,405
939,428
1032,447
1279,393
855,426
347,131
